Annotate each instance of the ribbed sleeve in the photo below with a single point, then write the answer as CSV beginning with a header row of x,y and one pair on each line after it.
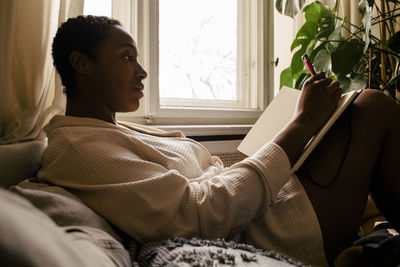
x,y
274,166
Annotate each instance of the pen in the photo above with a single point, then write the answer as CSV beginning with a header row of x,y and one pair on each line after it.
x,y
307,62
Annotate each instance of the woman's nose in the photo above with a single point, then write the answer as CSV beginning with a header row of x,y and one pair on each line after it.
x,y
141,72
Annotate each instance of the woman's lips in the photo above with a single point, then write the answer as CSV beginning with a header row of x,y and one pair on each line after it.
x,y
139,90
139,87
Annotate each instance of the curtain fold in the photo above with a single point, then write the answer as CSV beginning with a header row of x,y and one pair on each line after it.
x,y
30,92
349,9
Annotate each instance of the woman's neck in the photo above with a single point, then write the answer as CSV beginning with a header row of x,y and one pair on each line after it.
x,y
79,108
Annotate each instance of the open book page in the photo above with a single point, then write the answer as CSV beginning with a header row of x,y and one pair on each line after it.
x,y
278,113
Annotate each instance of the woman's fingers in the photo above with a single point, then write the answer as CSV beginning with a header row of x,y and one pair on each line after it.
x,y
324,82
318,76
319,82
334,87
318,99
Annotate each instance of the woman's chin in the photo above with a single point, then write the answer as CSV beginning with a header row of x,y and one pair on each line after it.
x,y
131,108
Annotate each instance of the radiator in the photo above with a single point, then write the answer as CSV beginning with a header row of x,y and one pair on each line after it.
x,y
226,150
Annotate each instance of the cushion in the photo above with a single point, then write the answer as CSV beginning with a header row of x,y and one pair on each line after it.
x,y
64,208
20,161
200,252
30,238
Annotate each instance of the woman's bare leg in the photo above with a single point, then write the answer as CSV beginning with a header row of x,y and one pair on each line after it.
x,y
359,155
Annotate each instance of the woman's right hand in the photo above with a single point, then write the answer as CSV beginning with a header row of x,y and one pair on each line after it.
x,y
317,101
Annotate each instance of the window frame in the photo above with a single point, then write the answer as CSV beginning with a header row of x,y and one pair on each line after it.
x,y
133,13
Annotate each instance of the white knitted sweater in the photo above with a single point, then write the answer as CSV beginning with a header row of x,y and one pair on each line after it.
x,y
156,185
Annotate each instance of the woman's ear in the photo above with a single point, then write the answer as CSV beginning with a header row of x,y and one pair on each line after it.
x,y
80,62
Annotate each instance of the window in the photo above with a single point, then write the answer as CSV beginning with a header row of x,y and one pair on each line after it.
x,y
198,58
208,61
97,7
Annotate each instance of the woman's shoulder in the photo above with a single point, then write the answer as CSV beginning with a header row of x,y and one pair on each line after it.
x,y
149,129
64,131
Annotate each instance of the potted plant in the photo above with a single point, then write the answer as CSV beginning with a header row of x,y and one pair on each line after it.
x,y
352,54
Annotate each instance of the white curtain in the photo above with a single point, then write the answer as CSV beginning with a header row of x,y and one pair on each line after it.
x,y
30,92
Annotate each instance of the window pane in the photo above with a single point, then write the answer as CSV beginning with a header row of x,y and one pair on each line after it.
x,y
97,7
197,49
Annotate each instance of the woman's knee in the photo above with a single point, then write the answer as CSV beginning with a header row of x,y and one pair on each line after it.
x,y
375,108
375,101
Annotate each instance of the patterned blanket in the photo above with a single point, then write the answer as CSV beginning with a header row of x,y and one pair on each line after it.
x,y
200,252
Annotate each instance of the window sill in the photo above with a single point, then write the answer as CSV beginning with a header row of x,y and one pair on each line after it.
x,y
208,130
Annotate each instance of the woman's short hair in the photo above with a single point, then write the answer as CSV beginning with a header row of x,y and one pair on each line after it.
x,y
83,34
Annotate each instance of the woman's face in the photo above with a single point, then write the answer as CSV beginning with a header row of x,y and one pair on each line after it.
x,y
117,73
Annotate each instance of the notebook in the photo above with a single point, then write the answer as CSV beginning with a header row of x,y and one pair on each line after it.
x,y
278,113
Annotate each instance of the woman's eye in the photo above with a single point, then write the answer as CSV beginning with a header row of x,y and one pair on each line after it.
x,y
129,58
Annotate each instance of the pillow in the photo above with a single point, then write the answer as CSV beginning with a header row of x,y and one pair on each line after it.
x,y
200,252
20,161
30,238
64,208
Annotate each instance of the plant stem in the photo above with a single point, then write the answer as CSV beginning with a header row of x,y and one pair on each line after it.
x,y
379,49
376,21
348,22
391,26
352,34
383,40
359,29
390,13
369,67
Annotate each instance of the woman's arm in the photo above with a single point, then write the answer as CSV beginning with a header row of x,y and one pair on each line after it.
x,y
125,181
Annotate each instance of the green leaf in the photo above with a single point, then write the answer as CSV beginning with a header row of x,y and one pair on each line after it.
x,y
278,6
336,35
335,8
344,82
322,61
313,12
326,25
290,8
362,6
311,46
297,64
301,80
352,82
358,81
394,42
308,30
346,56
312,52
301,3
299,74
286,78
303,42
366,20
322,16
392,81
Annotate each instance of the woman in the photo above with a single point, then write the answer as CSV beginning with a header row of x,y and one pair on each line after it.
x,y
155,185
